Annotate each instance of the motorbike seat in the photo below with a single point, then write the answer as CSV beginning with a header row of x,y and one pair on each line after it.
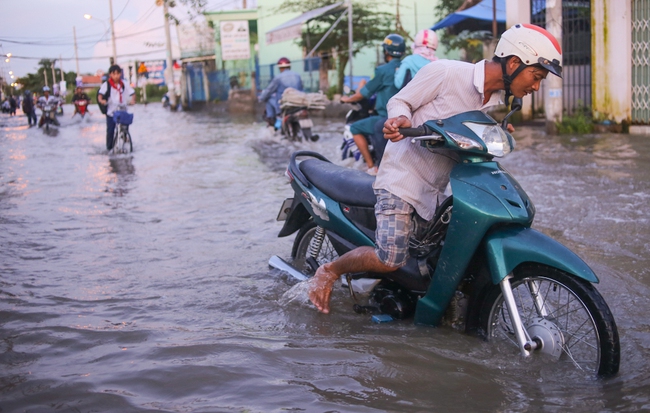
x,y
344,185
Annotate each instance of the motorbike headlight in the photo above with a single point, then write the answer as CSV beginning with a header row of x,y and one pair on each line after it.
x,y
495,138
464,142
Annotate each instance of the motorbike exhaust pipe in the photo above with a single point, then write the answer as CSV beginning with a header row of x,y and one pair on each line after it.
x,y
280,264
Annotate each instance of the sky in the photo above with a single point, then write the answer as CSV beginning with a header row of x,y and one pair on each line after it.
x,y
34,29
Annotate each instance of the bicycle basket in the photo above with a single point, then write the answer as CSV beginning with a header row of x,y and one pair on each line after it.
x,y
122,117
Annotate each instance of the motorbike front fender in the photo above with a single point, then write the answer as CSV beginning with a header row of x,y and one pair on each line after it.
x,y
508,247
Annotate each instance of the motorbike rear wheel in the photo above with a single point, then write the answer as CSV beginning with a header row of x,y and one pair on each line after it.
x,y
301,249
566,314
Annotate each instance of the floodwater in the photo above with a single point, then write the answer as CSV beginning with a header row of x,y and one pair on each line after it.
x,y
140,283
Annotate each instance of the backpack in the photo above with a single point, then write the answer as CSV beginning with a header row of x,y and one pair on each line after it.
x,y
104,108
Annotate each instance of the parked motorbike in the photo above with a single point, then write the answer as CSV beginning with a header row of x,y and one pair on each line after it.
x,y
297,125
477,266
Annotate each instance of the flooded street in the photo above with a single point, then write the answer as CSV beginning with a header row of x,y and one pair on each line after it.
x,y
140,282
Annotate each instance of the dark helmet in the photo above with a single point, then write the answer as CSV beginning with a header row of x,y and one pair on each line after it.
x,y
284,62
394,45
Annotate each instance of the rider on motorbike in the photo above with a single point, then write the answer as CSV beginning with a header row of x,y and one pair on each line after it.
x,y
47,99
273,93
411,180
382,84
79,95
424,52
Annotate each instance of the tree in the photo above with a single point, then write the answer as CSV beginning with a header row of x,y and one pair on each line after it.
x,y
369,26
35,81
470,41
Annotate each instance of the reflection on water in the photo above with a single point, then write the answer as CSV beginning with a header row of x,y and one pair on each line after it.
x,y
122,167
140,282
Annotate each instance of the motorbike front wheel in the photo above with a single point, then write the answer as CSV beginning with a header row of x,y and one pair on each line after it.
x,y
566,316
304,242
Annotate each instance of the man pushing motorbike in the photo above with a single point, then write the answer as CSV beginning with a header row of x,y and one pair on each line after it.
x,y
411,179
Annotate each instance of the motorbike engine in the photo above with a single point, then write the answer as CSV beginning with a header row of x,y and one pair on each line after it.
x,y
394,301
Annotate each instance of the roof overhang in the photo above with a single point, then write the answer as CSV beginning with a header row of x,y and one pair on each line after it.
x,y
293,28
482,11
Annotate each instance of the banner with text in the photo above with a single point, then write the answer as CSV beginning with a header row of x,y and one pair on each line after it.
x,y
235,40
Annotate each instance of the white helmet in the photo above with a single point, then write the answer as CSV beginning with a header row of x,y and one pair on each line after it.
x,y
46,89
427,38
533,45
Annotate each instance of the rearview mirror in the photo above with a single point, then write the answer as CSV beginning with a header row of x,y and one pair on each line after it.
x,y
514,106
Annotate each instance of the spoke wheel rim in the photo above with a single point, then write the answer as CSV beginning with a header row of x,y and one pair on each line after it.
x,y
567,315
326,254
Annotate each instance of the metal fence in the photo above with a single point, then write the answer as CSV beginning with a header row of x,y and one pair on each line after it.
x,y
576,54
641,61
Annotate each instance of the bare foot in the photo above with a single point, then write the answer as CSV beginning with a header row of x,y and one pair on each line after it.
x,y
320,288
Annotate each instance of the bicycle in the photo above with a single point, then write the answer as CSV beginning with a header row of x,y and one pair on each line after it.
x,y
122,142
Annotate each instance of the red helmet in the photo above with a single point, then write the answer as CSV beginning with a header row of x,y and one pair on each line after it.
x,y
284,62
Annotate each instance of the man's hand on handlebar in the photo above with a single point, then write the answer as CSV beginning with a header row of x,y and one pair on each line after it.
x,y
392,125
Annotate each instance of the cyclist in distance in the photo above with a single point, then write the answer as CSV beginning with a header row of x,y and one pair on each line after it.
x,y
113,93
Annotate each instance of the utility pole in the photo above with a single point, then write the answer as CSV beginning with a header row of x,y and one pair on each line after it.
x,y
53,75
415,15
244,4
171,89
350,43
398,21
494,19
76,52
553,93
110,4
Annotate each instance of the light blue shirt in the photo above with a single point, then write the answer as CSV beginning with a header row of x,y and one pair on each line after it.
x,y
412,63
286,79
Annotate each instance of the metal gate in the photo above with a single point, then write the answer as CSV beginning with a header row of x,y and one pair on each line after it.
x,y
641,61
576,54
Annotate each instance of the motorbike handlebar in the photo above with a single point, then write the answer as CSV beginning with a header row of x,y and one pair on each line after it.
x,y
413,132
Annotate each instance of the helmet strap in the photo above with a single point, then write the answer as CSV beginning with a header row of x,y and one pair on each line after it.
x,y
507,79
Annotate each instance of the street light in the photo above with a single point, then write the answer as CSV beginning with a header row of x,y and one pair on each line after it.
x,y
88,17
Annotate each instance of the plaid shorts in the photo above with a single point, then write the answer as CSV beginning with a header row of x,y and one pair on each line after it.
x,y
394,216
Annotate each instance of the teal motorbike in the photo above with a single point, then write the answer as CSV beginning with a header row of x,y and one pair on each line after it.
x,y
477,265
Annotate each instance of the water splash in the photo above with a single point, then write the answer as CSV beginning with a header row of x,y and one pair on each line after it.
x,y
298,294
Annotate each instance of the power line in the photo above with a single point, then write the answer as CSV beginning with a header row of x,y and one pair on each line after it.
x,y
124,8
89,41
89,58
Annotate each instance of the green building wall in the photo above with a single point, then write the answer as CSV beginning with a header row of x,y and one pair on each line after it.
x,y
414,15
